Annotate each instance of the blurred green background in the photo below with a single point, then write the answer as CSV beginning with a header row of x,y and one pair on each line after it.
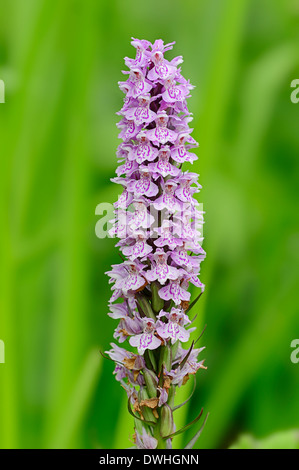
x,y
61,61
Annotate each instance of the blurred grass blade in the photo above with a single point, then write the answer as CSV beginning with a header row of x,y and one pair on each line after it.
x,y
280,440
77,405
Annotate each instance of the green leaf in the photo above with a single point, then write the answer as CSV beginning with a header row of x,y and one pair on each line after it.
x,y
189,398
187,426
193,441
194,302
181,364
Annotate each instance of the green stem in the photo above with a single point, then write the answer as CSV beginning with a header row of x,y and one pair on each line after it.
x,y
157,435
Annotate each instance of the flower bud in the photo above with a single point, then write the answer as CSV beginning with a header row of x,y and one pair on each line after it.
x,y
166,426
174,349
157,302
165,358
146,410
171,395
145,306
151,382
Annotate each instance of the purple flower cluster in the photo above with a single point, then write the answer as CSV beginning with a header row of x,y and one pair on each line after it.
x,y
157,221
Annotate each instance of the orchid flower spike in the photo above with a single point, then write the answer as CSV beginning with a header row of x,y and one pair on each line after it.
x,y
158,222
